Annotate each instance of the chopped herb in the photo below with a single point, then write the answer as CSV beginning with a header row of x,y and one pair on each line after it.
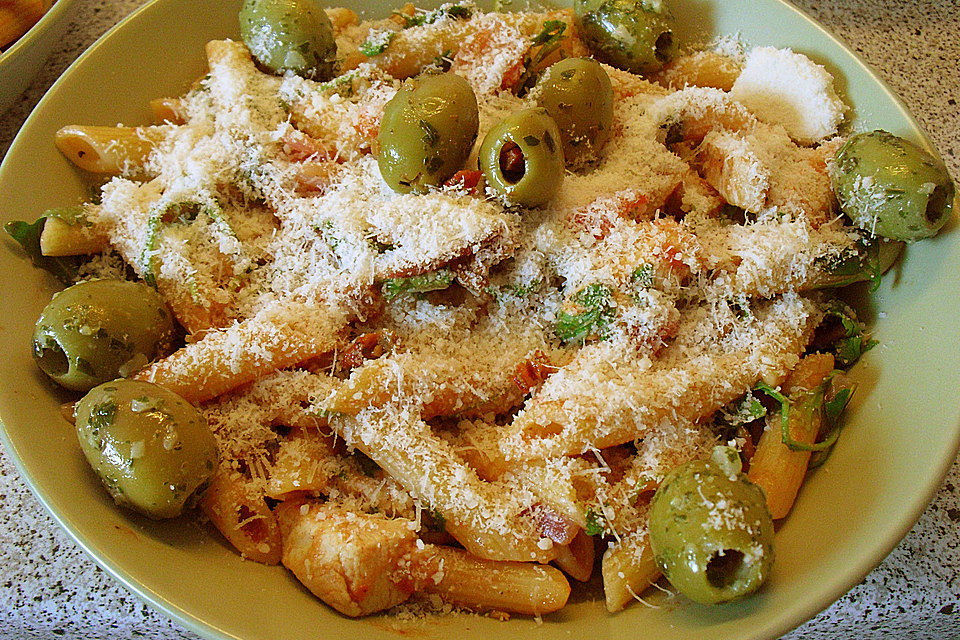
x,y
455,11
642,276
102,416
744,411
430,134
434,281
377,42
598,309
595,523
853,343
523,290
545,43
342,85
436,521
444,61
182,212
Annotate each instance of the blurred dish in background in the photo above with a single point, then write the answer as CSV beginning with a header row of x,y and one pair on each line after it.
x,y
17,16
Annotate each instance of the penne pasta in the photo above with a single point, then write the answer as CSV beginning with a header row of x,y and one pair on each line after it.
x,y
240,513
490,585
224,360
60,238
775,467
109,150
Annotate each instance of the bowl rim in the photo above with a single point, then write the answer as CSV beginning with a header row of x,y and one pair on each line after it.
x,y
53,15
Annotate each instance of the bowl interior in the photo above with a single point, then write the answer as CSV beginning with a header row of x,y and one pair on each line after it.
x,y
898,442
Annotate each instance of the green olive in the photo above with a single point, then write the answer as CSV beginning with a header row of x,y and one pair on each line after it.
x,y
577,94
710,530
522,158
290,35
100,330
636,35
427,132
892,188
151,448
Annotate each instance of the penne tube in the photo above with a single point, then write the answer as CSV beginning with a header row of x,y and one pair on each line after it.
x,y
110,150
635,399
405,447
242,516
489,585
628,569
60,238
775,467
577,558
225,359
168,110
18,16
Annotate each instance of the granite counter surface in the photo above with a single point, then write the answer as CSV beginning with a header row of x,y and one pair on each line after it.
x,y
50,589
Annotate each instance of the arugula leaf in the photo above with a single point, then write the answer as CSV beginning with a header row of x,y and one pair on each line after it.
x,y
545,43
595,523
809,401
596,301
853,343
743,411
377,42
455,11
434,281
65,268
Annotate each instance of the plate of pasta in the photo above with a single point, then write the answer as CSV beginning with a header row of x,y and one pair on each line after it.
x,y
447,319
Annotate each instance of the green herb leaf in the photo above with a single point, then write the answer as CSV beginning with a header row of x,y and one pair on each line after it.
x,y
548,41
853,343
595,523
377,42
64,268
434,281
810,401
596,302
643,276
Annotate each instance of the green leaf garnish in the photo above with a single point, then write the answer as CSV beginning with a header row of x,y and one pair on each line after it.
x,y
377,42
595,523
853,343
598,309
433,281
65,268
547,41
809,401
455,11
181,212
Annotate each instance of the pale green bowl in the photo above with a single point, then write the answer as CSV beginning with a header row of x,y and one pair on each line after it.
x,y
22,60
900,438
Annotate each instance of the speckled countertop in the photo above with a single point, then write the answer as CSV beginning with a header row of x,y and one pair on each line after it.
x,y
50,589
